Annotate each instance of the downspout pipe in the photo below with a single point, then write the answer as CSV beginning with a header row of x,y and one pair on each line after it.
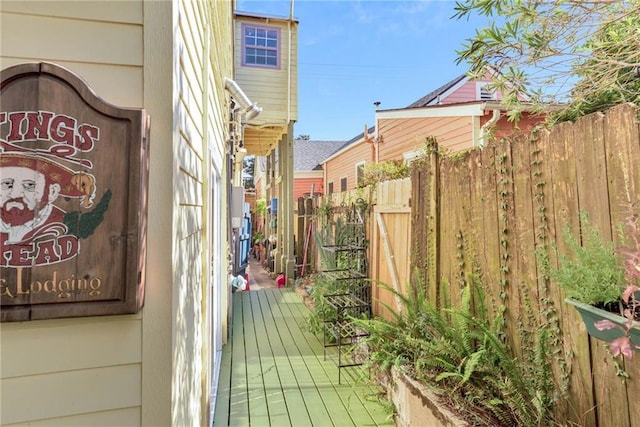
x,y
492,121
376,140
250,110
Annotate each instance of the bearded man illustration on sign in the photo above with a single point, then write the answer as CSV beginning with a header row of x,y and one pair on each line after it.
x,y
29,186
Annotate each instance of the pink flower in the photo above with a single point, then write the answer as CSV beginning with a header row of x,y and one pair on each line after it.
x,y
622,346
628,292
633,266
605,325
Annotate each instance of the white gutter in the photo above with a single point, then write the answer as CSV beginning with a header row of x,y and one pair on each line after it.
x,y
250,110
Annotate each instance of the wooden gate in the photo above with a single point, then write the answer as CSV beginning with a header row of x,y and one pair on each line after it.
x,y
390,243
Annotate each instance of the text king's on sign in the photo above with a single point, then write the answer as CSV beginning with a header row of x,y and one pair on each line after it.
x,y
73,177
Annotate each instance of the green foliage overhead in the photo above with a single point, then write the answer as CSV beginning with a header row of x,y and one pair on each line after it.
x,y
585,54
383,171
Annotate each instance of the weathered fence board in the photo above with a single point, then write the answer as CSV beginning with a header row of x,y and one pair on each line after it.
x,y
607,410
622,145
501,213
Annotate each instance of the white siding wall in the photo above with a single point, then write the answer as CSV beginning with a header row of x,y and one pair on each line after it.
x,y
202,60
153,368
84,371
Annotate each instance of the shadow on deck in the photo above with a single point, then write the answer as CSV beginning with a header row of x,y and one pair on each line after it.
x,y
273,372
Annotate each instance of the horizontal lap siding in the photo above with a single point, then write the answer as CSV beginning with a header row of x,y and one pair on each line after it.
x,y
200,114
84,371
87,38
343,165
301,186
405,135
268,87
82,393
466,92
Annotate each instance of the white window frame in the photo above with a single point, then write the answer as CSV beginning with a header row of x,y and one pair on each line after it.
x,y
358,177
410,156
265,48
480,87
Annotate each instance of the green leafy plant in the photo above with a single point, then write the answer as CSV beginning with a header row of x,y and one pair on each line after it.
x,y
261,206
383,171
594,274
460,354
583,54
631,304
321,310
334,233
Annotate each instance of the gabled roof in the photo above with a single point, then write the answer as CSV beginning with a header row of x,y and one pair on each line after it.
x,y
429,98
308,155
370,132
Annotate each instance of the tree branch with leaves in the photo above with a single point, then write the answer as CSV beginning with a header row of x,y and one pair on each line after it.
x,y
583,54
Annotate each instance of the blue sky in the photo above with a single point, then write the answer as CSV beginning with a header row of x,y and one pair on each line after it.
x,y
355,52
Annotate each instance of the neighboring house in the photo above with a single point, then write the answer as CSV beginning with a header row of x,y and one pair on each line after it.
x,y
175,60
459,114
308,175
344,167
266,67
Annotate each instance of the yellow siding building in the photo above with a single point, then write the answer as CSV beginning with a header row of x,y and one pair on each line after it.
x,y
174,60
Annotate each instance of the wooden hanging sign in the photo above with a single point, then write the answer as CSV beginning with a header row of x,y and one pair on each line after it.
x,y
73,198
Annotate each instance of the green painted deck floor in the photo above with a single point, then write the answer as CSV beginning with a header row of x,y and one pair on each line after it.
x,y
273,372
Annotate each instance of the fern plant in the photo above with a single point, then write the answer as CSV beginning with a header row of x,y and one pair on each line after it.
x,y
460,355
594,275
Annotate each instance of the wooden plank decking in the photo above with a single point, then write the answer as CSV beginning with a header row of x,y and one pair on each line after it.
x,y
273,372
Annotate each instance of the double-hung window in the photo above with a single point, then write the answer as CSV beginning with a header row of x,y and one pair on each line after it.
x,y
261,46
343,184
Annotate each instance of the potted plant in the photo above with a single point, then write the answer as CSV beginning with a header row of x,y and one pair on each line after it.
x,y
603,290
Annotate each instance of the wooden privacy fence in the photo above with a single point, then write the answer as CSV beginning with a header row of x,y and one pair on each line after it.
x,y
490,212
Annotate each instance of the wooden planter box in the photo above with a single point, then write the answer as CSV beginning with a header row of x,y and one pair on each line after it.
x,y
416,405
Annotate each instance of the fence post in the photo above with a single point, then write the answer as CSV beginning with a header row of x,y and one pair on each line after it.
x,y
433,223
418,266
308,226
300,234
425,217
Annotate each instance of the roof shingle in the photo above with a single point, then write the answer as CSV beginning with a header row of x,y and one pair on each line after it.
x,y
308,155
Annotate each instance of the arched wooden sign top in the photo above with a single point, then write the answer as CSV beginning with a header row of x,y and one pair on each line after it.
x,y
73,198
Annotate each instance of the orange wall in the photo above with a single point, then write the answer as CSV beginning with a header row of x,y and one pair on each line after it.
x,y
401,136
404,135
505,127
301,186
344,165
